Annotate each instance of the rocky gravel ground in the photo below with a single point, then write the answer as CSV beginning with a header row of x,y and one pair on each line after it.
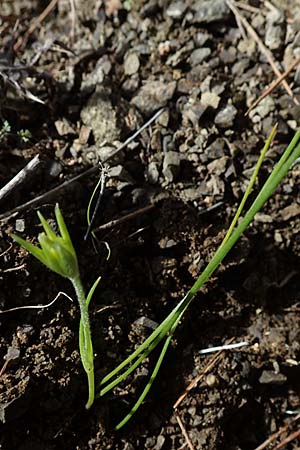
x,y
78,79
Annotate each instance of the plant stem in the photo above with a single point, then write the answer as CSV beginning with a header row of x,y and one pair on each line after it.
x,y
85,339
167,328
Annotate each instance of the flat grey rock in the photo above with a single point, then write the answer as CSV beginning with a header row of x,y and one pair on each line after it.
x,y
153,95
208,11
226,116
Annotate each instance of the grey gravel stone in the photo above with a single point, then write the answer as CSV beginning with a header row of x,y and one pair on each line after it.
x,y
20,225
226,116
199,55
100,115
153,95
210,99
120,173
146,322
171,165
202,38
228,56
63,127
266,106
271,377
159,442
131,64
275,30
176,10
12,353
218,166
208,11
153,173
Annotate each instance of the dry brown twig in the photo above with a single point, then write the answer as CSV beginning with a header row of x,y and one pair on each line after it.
x,y
278,433
288,439
36,22
211,363
273,85
266,52
247,7
125,218
73,20
184,432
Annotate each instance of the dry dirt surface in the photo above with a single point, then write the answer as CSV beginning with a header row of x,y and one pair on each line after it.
x,y
78,78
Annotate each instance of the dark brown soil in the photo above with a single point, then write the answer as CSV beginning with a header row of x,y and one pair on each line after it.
x,y
100,79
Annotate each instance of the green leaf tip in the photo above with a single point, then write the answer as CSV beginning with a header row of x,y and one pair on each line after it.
x,y
56,252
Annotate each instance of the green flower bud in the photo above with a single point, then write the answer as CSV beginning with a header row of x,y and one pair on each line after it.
x,y
58,256
56,252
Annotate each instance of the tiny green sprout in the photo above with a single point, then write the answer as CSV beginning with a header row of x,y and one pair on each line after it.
x,y
24,136
58,254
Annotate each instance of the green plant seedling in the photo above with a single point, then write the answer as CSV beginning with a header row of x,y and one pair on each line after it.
x,y
58,254
167,328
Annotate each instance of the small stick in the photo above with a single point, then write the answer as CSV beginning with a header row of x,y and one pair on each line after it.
x,y
6,251
20,178
263,48
73,20
248,8
35,24
288,439
40,198
125,218
273,85
271,6
277,434
184,432
195,381
241,28
3,368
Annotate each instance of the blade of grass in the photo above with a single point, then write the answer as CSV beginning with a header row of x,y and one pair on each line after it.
x,y
251,183
169,325
153,376
148,385
160,330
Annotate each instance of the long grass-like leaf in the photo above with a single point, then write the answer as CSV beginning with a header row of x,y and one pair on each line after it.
x,y
169,325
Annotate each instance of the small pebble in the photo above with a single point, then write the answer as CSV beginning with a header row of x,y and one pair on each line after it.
x,y
153,95
171,165
208,11
199,55
211,380
131,64
153,173
12,353
20,225
210,99
273,378
226,116
176,9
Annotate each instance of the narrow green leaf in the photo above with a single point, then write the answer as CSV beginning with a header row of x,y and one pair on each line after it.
x,y
92,290
33,249
62,227
48,230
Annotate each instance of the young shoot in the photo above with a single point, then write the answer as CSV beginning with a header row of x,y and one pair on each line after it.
x,y
58,254
166,329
